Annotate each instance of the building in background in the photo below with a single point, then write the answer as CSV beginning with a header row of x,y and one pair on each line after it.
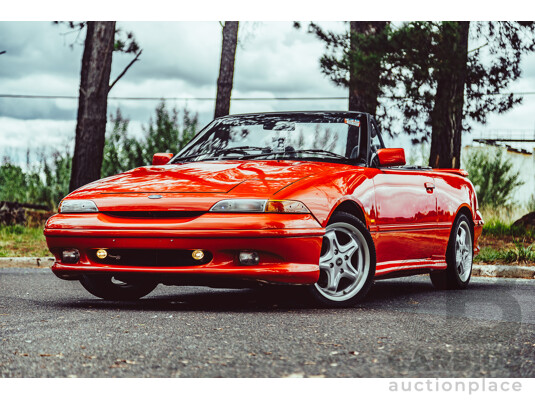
x,y
520,148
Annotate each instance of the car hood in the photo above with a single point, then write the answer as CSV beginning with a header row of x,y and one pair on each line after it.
x,y
196,186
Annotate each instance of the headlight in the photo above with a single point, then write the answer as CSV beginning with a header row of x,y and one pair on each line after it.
x,y
77,206
239,205
260,206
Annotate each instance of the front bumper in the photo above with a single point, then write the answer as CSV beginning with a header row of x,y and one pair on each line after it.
x,y
288,245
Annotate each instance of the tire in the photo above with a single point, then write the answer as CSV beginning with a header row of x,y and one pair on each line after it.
x,y
347,263
108,288
459,257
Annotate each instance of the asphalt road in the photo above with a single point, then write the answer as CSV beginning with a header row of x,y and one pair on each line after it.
x,y
53,328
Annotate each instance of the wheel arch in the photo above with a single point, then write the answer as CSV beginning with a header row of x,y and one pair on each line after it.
x,y
350,207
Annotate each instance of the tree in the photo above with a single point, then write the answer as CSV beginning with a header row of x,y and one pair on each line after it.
x,y
447,113
226,68
426,71
355,59
444,86
45,184
121,151
92,103
166,134
366,56
102,38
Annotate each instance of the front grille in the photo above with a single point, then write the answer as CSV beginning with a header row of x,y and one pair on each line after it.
x,y
154,214
150,257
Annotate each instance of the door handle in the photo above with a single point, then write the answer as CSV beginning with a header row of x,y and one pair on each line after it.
x,y
429,186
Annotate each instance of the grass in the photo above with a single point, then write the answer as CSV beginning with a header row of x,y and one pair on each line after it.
x,y
20,241
520,254
502,242
498,228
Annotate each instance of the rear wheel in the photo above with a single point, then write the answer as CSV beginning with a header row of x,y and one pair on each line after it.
x,y
347,262
459,257
109,287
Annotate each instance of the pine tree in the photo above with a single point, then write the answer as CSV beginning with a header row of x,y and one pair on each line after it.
x,y
226,68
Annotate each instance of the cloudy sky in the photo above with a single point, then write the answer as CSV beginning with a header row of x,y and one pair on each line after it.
x,y
180,59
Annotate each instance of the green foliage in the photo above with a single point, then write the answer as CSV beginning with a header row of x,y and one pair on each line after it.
x,y
121,152
165,134
402,64
357,59
13,183
57,175
48,182
520,253
424,55
497,228
45,184
493,176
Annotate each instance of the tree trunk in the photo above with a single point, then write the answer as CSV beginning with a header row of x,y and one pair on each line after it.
x,y
447,114
363,75
92,103
226,68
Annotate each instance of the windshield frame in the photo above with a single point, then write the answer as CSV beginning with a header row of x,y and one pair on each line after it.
x,y
364,119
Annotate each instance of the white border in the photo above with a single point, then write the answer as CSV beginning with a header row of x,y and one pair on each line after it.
x,y
273,10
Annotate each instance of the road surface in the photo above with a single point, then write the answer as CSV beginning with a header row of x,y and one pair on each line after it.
x,y
405,328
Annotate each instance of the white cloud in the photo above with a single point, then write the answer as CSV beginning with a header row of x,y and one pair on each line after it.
x,y
180,59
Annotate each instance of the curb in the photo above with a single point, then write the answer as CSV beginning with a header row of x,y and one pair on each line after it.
x,y
503,271
481,270
26,262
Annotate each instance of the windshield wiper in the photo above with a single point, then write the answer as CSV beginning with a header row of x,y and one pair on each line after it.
x,y
184,158
315,151
239,149
220,152
283,153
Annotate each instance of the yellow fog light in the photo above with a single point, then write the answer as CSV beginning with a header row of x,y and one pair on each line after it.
x,y
101,253
197,254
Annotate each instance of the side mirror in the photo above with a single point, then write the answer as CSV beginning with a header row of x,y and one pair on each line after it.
x,y
391,157
161,158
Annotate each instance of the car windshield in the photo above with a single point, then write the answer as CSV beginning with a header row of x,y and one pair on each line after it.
x,y
332,137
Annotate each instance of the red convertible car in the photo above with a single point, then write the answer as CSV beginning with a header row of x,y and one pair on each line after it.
x,y
299,198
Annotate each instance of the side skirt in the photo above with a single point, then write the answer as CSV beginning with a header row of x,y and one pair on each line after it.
x,y
408,267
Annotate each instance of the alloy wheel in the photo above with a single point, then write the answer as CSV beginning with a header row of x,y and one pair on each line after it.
x,y
344,262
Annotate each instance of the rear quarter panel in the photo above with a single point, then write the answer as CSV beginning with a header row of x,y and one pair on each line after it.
x,y
453,193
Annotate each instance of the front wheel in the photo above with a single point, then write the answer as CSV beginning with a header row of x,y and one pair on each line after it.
x,y
459,257
108,287
347,262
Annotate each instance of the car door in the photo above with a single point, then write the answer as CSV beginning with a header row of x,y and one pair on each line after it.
x,y
406,212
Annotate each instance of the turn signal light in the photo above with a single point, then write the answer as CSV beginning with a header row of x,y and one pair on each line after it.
x,y
286,206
